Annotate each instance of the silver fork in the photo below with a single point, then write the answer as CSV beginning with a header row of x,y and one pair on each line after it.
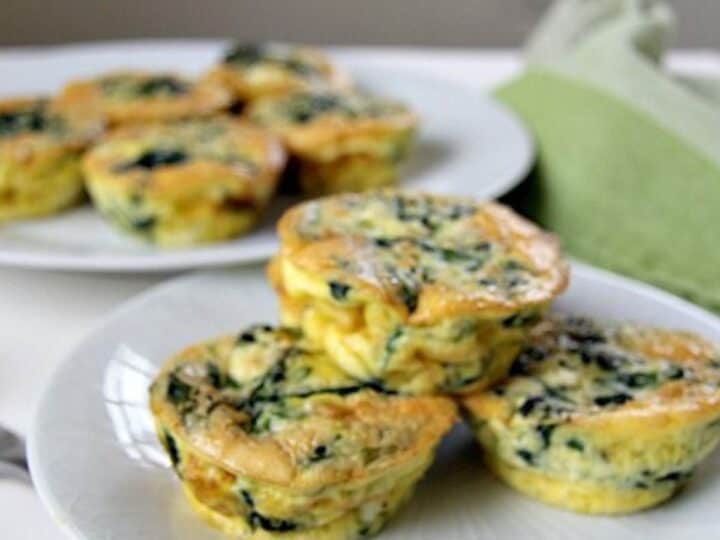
x,y
13,460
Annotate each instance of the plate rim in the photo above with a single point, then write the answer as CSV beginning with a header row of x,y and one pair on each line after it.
x,y
64,518
186,259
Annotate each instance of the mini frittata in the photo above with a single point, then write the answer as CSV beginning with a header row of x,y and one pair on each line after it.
x,y
342,141
40,152
186,182
423,292
256,70
271,440
601,419
125,97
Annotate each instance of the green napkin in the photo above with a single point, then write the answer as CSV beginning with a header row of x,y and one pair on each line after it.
x,y
629,156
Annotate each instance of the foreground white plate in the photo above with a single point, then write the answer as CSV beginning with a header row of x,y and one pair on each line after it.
x,y
469,144
101,473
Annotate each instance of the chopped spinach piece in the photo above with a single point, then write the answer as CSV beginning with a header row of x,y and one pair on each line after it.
x,y
529,405
144,224
178,391
545,431
613,399
215,377
339,291
637,380
14,123
155,158
250,334
584,330
522,364
520,320
674,476
244,53
306,107
675,372
256,519
171,448
526,456
319,453
392,343
575,444
162,85
271,524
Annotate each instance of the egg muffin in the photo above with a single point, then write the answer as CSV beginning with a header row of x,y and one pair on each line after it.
x,y
40,150
601,419
254,70
426,293
186,182
270,439
342,141
125,97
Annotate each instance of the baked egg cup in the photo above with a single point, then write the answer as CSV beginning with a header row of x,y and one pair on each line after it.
x,y
426,293
186,182
271,440
256,70
127,97
601,420
40,152
342,141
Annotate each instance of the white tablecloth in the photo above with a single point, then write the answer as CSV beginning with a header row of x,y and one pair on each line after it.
x,y
43,314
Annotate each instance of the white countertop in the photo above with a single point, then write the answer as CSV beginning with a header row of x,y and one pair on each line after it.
x,y
43,314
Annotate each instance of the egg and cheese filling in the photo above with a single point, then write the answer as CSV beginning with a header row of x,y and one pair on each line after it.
x,y
127,97
371,339
342,141
426,294
268,436
184,183
601,420
255,70
40,151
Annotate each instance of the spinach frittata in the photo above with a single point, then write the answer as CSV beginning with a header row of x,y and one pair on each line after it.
x,y
427,293
254,70
185,182
125,97
40,149
601,419
342,141
270,439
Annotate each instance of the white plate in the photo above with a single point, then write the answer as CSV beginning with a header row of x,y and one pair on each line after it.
x,y
469,144
102,474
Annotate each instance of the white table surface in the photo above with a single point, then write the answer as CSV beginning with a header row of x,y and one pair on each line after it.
x,y
43,314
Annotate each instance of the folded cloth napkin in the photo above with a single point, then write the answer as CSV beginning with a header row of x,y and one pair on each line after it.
x,y
628,173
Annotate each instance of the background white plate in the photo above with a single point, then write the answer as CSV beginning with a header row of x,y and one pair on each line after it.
x,y
102,474
469,144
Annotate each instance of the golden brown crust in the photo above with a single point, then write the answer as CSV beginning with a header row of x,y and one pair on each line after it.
x,y
676,401
327,132
364,418
601,419
124,97
60,129
276,69
40,152
221,152
317,235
